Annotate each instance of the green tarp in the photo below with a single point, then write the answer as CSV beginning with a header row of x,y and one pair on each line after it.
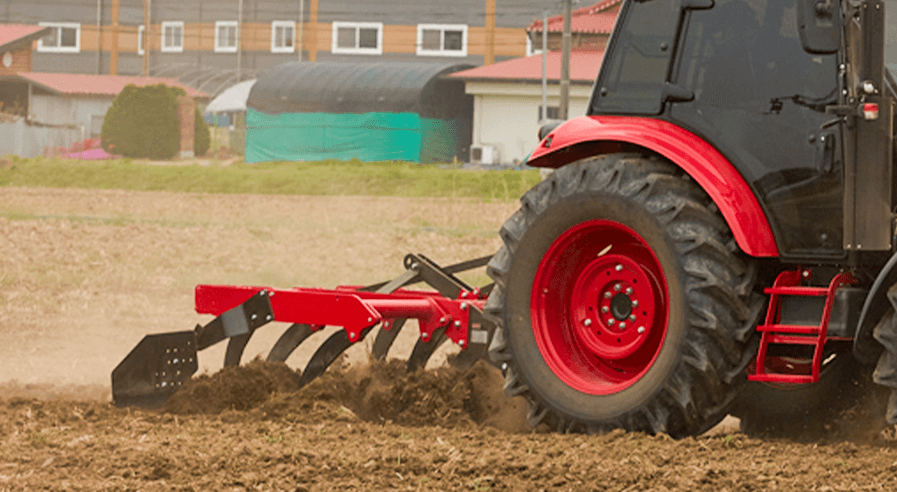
x,y
367,137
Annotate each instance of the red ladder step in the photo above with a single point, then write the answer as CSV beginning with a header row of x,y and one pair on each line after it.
x,y
773,332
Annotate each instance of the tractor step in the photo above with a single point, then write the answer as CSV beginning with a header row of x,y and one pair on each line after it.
x,y
787,292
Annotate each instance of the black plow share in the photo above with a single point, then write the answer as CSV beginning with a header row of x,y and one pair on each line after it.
x,y
453,310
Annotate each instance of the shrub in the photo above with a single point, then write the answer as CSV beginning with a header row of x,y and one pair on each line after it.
x,y
143,123
202,138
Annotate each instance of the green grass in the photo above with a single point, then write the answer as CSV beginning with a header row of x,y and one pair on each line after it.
x,y
280,178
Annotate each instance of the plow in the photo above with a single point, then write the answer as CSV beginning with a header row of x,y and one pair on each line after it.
x,y
453,311
717,237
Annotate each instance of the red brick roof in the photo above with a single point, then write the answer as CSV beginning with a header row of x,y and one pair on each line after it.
x,y
105,85
12,34
598,18
584,66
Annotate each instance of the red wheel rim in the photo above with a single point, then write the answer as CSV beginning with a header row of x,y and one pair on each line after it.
x,y
599,307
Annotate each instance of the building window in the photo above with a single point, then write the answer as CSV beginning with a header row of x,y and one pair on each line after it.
x,y
442,39
533,49
226,36
358,38
141,35
64,37
172,37
551,113
283,36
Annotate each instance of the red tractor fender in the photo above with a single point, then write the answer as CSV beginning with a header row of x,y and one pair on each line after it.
x,y
586,136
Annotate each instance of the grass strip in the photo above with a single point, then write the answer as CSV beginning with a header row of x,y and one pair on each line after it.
x,y
334,178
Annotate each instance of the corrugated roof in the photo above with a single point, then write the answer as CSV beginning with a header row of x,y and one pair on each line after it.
x,y
12,34
342,87
598,18
104,85
584,66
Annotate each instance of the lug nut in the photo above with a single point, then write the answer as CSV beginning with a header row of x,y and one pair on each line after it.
x,y
463,306
458,324
622,325
641,329
608,295
634,303
605,309
631,317
617,287
460,343
618,268
587,322
611,322
628,291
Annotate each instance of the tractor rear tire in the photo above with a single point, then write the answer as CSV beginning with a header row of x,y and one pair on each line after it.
x,y
621,301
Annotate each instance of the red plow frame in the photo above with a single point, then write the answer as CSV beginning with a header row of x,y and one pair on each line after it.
x,y
161,363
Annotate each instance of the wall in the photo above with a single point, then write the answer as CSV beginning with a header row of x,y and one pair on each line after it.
x,y
21,139
62,110
506,115
21,58
400,19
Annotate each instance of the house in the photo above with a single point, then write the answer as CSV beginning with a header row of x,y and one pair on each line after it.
x,y
212,44
590,28
55,109
507,101
508,95
15,45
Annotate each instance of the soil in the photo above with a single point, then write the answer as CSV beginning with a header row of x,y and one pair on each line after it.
x,y
84,274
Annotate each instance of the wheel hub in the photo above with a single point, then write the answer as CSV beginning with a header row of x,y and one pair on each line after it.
x,y
599,308
614,295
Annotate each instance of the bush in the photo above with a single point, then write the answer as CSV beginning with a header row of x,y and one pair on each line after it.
x,y
143,123
202,138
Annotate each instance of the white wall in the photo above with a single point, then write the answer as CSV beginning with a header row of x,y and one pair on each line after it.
x,y
506,115
68,110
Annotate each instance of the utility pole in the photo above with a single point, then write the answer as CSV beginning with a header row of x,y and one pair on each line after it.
x,y
489,54
313,28
239,40
99,36
544,64
301,30
564,106
113,50
147,29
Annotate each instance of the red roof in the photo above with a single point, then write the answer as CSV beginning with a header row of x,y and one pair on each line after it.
x,y
598,18
16,33
584,66
104,85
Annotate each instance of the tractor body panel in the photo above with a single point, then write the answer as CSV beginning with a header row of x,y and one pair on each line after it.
x,y
737,77
710,169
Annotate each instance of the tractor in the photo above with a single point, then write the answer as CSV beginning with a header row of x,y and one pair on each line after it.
x,y
717,236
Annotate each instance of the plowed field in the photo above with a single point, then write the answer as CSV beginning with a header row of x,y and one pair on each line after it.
x,y
85,274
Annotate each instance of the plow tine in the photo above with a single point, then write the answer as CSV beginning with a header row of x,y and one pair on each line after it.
x,y
235,347
287,343
328,352
424,350
385,339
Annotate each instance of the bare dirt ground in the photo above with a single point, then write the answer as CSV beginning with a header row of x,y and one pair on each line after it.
x,y
85,274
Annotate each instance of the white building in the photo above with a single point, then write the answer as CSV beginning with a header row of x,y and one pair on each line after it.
x,y
507,107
